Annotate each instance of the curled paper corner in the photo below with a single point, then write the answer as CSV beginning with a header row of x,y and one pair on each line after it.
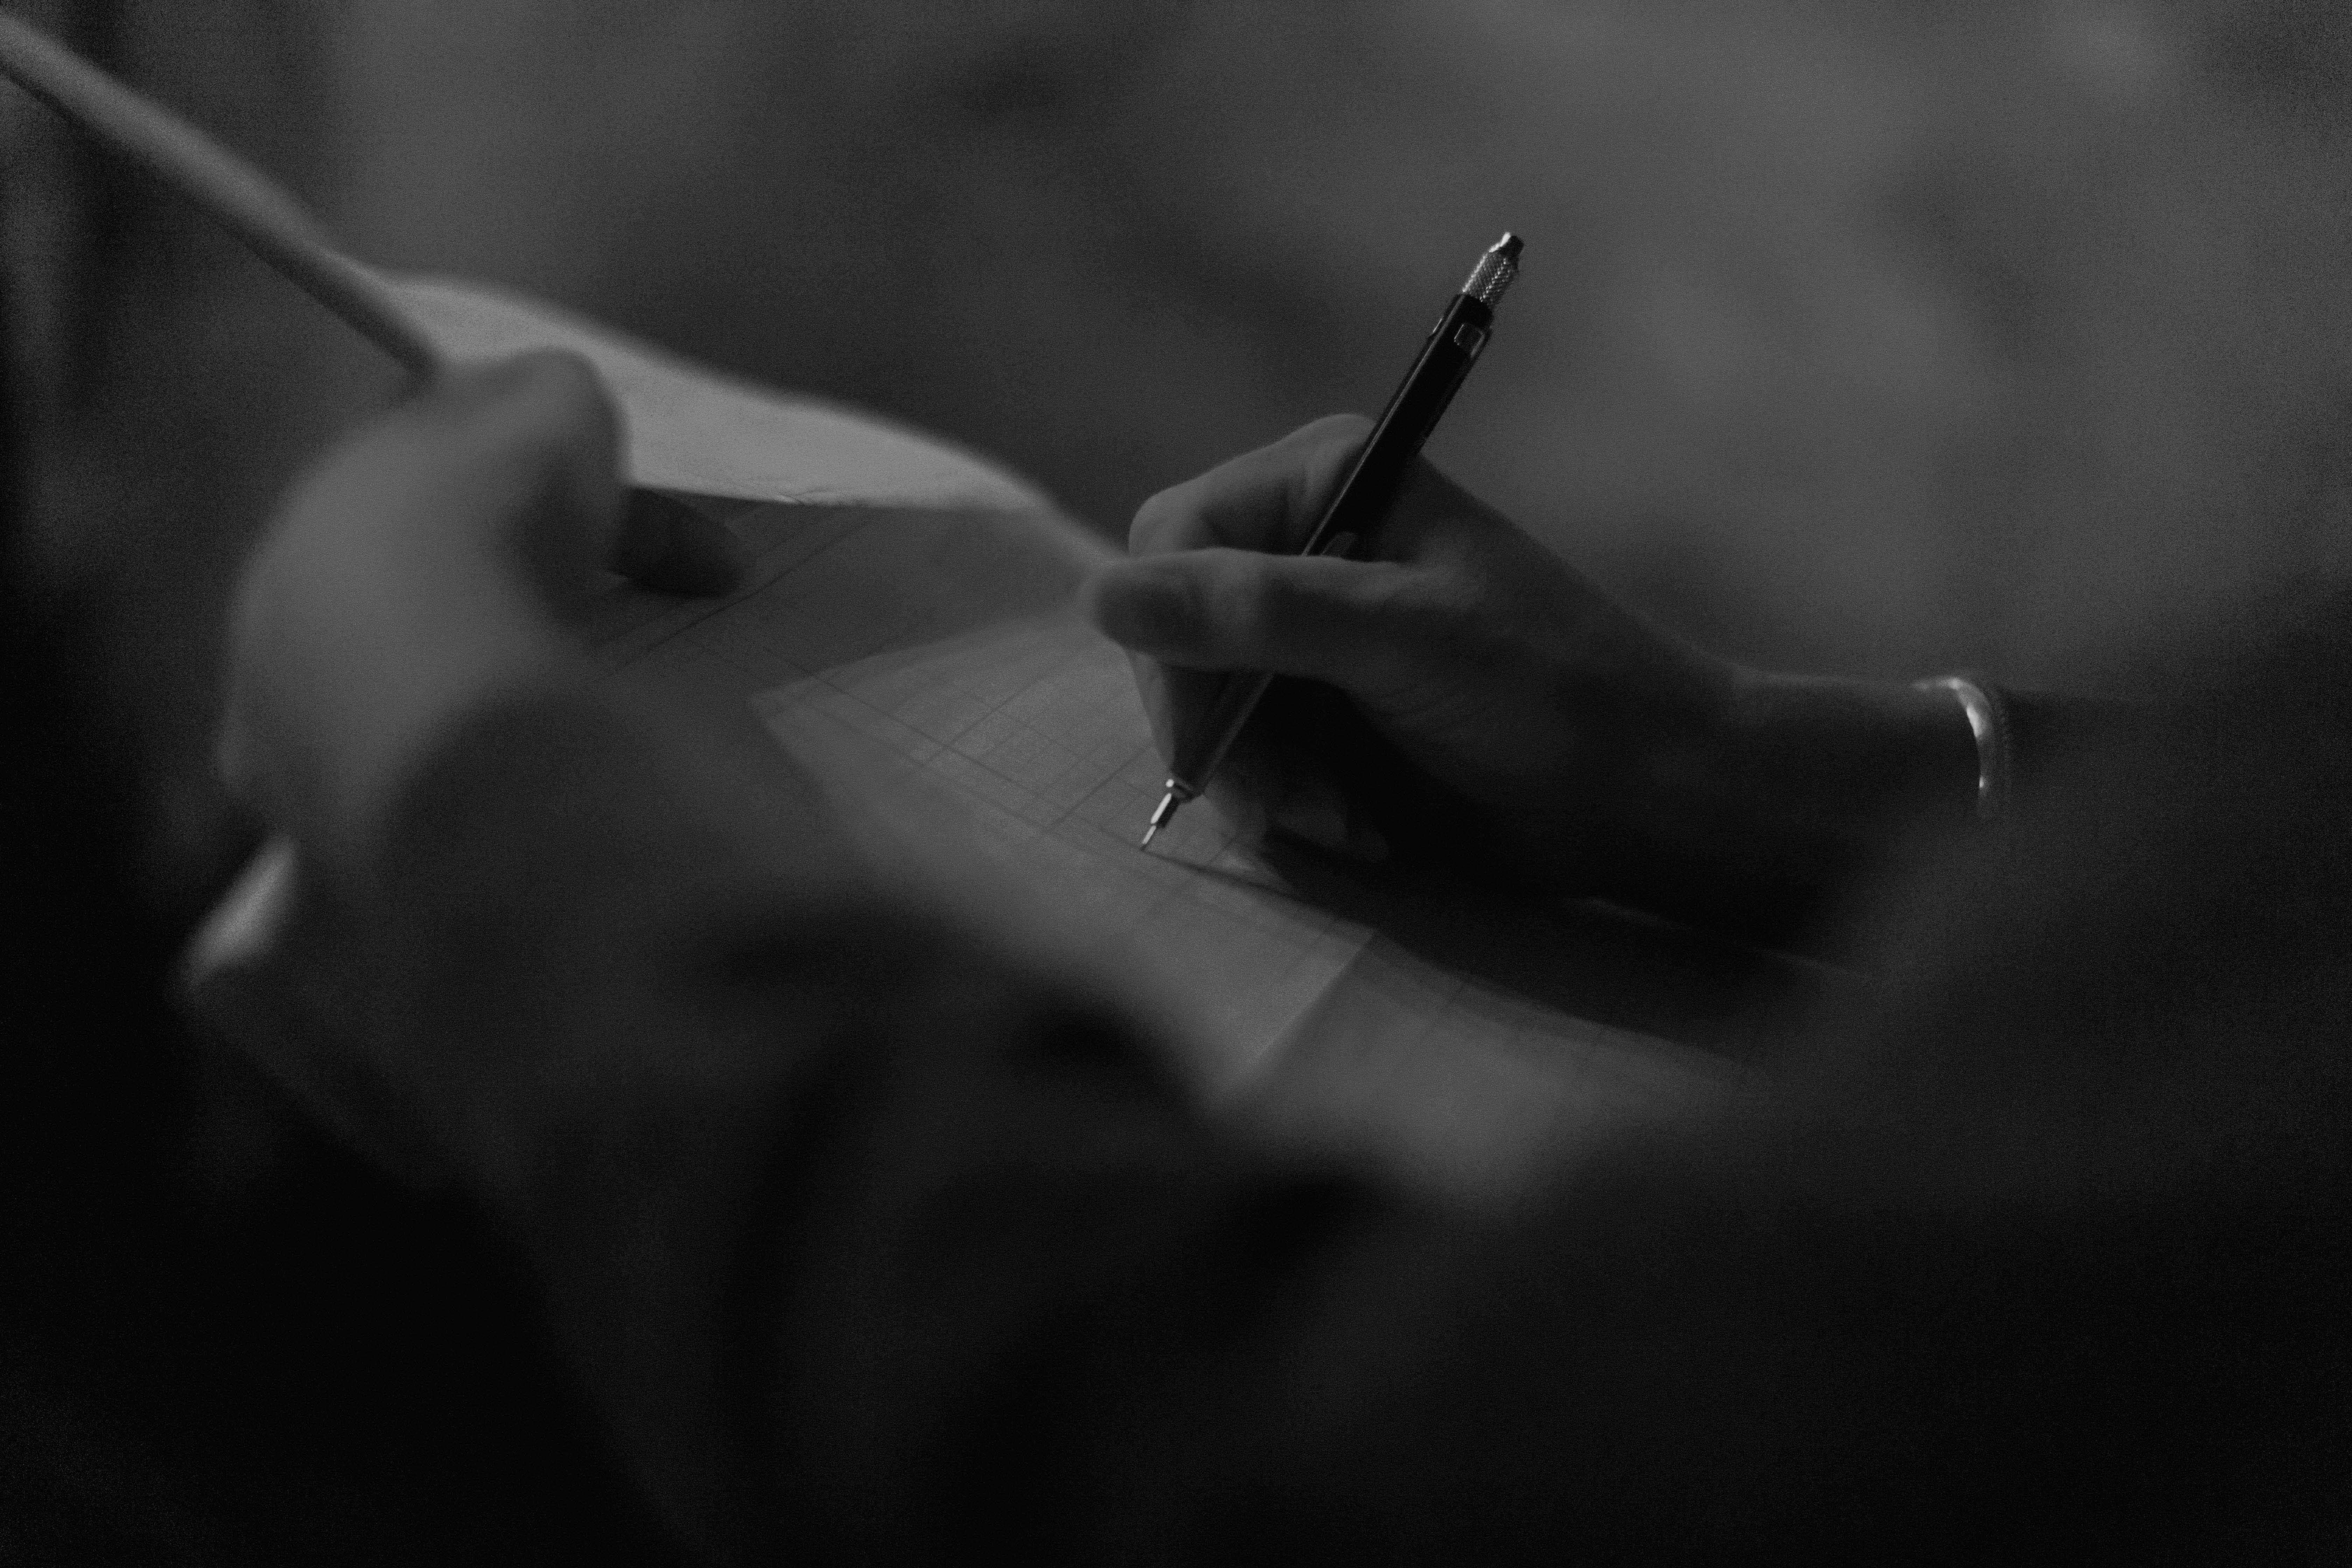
x,y
698,431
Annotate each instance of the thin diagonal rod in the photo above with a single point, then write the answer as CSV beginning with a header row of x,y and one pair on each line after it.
x,y
240,197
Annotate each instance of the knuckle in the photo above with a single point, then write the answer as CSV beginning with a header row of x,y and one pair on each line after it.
x,y
1276,600
1445,617
1333,429
1325,450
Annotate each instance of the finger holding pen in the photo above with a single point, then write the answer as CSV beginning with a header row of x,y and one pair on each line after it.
x,y
1469,696
1214,585
1476,658
1467,692
1366,493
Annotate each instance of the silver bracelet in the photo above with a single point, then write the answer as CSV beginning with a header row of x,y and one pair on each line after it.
x,y
1989,722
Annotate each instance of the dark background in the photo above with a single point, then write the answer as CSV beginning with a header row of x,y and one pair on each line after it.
x,y
1881,338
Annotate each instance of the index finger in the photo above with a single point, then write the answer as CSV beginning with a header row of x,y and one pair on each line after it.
x,y
1268,500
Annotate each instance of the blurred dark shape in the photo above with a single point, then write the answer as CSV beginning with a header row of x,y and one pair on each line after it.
x,y
1877,341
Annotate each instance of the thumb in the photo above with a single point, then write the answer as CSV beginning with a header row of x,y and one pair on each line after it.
x,y
1321,616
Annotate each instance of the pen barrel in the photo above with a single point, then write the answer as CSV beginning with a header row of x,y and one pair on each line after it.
x,y
1365,496
1357,508
1238,699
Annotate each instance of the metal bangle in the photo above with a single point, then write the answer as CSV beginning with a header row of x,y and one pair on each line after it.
x,y
1989,722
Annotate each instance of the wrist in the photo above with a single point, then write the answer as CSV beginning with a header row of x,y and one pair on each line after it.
x,y
1986,708
1822,758
1792,785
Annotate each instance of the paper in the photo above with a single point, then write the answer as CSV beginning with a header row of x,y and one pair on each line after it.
x,y
690,429
907,631
989,748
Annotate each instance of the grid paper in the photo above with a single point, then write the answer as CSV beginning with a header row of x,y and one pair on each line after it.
x,y
988,748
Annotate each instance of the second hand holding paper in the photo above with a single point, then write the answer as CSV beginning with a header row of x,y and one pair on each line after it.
x,y
908,636
690,430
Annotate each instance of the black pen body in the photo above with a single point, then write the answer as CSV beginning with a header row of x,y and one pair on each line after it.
x,y
1364,497
1356,509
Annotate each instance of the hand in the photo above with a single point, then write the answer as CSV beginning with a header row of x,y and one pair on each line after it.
x,y
419,567
1547,718
1493,704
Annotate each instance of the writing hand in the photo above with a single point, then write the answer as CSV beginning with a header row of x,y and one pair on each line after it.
x,y
1486,663
1499,706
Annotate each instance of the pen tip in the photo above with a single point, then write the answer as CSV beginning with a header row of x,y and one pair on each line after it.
x,y
1508,246
1160,816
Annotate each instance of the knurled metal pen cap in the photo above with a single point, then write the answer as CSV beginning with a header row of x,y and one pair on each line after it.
x,y
1495,271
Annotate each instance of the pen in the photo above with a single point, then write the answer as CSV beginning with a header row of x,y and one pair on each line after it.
x,y
1363,498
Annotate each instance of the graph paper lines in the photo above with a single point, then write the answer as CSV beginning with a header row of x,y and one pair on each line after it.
x,y
987,748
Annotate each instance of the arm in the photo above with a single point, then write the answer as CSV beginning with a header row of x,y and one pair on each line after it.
x,y
1807,790
864,1244
1491,689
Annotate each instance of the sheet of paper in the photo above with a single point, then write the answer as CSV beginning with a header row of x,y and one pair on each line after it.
x,y
988,747
907,633
694,430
